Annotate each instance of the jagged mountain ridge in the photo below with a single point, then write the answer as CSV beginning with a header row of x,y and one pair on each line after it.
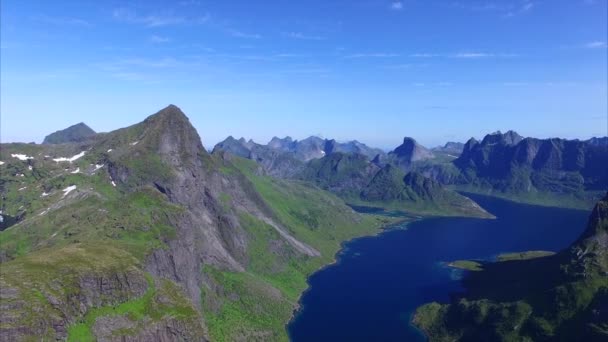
x,y
303,150
147,213
556,165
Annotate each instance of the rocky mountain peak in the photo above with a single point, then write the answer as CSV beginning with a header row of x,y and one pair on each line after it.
x,y
508,138
75,133
410,151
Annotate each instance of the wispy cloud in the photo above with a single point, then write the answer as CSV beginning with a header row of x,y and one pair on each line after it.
x,y
504,8
244,35
477,55
158,39
596,45
372,55
156,20
302,36
464,55
425,55
473,55
396,6
63,21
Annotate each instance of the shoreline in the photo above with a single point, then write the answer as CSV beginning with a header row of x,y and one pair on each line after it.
x,y
336,261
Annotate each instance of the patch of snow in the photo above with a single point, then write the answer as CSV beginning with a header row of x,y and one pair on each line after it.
x,y
21,156
54,234
97,167
110,150
19,175
21,189
44,194
69,189
134,143
76,171
322,152
44,212
29,167
113,184
1,219
1,163
453,156
79,155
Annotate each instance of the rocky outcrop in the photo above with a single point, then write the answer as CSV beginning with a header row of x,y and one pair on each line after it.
x,y
208,232
409,152
61,306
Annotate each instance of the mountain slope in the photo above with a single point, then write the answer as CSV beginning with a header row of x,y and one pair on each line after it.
x,y
141,234
361,182
75,133
558,297
572,170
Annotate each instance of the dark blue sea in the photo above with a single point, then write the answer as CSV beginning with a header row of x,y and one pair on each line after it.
x,y
372,291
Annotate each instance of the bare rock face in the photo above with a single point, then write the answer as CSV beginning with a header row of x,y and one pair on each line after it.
x,y
557,165
167,330
408,152
91,291
208,232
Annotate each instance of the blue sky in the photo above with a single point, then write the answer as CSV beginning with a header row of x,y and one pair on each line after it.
x,y
369,70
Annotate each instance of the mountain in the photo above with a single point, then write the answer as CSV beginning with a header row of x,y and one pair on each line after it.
x,y
361,182
274,161
507,163
558,297
141,234
75,133
454,148
315,147
286,157
353,146
409,152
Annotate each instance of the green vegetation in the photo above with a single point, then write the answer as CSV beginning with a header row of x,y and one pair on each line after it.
x,y
141,311
468,265
531,296
259,302
523,255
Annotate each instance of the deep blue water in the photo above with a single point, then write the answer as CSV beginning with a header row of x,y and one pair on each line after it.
x,y
378,282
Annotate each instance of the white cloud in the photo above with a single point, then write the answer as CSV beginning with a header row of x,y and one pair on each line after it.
x,y
302,36
396,5
473,55
158,39
424,55
156,20
245,35
372,55
596,45
64,21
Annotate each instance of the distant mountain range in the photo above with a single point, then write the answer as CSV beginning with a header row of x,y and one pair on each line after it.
x,y
555,171
358,173
561,297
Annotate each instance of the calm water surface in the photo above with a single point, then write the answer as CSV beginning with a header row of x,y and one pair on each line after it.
x,y
371,293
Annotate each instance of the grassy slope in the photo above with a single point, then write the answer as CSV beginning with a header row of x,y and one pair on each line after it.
x,y
581,200
261,301
100,233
